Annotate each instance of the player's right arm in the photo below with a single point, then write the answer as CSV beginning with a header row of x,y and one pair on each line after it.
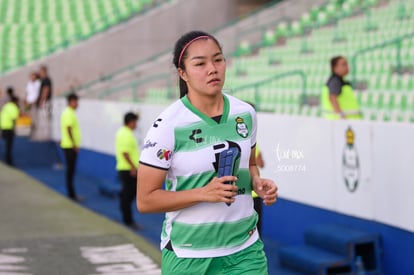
x,y
151,197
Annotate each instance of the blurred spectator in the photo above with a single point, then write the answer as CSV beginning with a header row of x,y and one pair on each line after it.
x,y
7,97
256,199
127,156
338,99
32,90
45,88
70,142
8,116
42,121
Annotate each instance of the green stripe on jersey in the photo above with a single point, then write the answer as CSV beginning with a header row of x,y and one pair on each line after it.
x,y
202,179
164,228
199,135
168,184
212,235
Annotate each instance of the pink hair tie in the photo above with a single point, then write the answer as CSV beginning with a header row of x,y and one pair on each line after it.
x,y
188,44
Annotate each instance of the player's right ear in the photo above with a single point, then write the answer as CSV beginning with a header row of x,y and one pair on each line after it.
x,y
182,74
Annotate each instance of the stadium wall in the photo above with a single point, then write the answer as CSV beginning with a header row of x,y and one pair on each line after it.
x,y
310,160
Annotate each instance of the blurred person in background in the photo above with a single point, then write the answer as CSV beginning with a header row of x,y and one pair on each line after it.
x,y
32,91
42,129
7,97
8,116
32,94
256,198
338,100
127,156
70,142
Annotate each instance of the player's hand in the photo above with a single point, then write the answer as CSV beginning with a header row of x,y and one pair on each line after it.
x,y
76,149
266,189
217,191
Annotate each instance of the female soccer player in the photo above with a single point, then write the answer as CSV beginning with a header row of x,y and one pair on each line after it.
x,y
210,223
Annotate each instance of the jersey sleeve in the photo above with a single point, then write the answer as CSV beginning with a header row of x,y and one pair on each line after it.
x,y
334,86
157,150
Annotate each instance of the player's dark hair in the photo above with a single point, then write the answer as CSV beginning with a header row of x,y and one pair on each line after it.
x,y
72,96
180,53
335,60
130,117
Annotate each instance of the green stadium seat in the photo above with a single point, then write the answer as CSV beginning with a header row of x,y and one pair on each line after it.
x,y
243,49
282,29
296,28
346,9
60,22
269,38
306,21
322,18
331,10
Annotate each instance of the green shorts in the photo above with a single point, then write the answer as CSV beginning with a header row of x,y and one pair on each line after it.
x,y
252,260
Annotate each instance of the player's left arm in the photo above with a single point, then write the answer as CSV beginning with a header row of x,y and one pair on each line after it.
x,y
265,188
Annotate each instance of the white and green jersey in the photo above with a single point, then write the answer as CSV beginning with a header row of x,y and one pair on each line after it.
x,y
187,143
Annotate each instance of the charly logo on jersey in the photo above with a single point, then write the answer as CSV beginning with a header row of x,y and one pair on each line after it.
x,y
241,127
164,154
155,124
195,136
350,162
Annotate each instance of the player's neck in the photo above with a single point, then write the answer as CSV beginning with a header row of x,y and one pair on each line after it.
x,y
209,105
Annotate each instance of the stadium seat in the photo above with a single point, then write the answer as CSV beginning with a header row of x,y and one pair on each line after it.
x,y
375,67
306,44
41,27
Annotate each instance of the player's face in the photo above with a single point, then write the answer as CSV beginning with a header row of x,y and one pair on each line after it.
x,y
204,68
341,67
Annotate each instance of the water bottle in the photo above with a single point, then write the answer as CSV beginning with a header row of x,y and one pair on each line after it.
x,y
359,266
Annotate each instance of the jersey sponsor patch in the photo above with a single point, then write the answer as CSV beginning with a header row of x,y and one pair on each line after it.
x,y
164,154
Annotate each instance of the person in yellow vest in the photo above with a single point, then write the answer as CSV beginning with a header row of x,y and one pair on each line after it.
x,y
127,156
70,142
8,116
256,199
338,100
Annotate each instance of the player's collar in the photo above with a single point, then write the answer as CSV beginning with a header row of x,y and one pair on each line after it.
x,y
203,116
